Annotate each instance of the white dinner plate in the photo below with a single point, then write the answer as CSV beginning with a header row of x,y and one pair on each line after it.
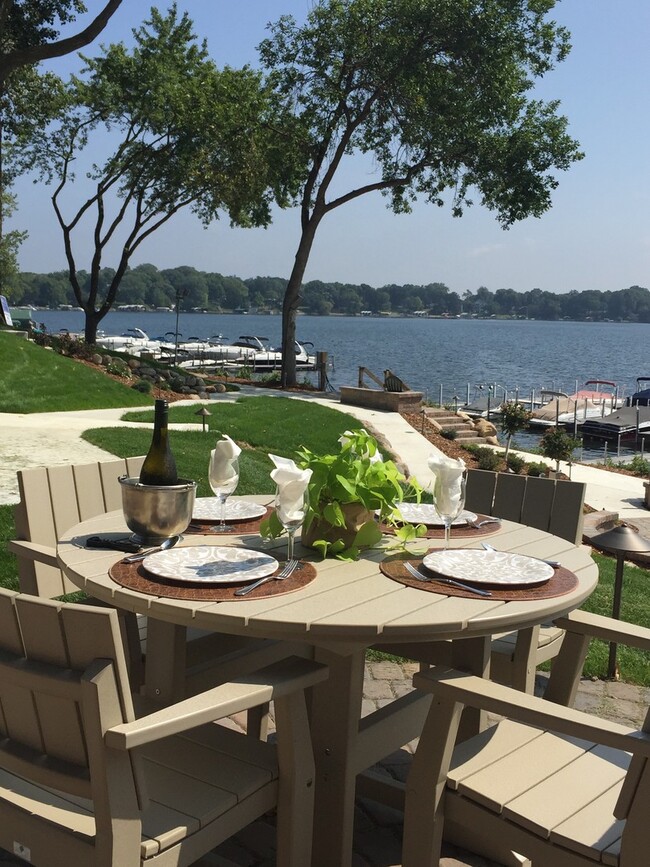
x,y
488,567
208,509
425,513
210,564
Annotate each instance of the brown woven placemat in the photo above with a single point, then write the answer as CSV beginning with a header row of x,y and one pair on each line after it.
x,y
563,581
462,531
134,576
203,526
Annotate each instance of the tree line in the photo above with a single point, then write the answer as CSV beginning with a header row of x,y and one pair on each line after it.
x,y
214,292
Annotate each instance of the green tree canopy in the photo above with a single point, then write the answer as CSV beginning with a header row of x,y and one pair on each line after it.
x,y
184,133
436,92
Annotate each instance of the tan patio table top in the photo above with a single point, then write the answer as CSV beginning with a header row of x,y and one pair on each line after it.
x,y
344,610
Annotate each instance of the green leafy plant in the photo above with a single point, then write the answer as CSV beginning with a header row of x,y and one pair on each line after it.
x,y
537,468
450,434
487,459
514,417
515,463
345,491
557,445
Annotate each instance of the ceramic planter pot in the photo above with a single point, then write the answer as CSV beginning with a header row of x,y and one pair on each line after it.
x,y
356,515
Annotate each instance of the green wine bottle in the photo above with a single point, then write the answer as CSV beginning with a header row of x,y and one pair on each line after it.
x,y
159,467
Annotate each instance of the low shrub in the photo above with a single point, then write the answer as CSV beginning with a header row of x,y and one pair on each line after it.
x,y
142,385
515,463
537,468
487,459
449,434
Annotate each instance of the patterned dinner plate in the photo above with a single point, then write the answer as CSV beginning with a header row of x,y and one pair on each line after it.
x,y
488,567
425,513
208,509
210,564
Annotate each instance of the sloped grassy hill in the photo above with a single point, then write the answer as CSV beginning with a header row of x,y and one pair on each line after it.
x,y
35,379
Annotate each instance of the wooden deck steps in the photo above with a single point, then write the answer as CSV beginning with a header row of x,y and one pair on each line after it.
x,y
447,420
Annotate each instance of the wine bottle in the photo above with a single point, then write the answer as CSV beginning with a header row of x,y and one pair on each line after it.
x,y
159,467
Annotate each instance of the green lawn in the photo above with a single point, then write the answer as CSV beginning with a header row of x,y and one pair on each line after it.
x,y
35,379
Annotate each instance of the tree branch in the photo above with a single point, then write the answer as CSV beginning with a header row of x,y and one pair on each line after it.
x,y
35,53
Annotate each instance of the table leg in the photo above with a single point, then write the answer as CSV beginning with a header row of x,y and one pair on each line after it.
x,y
335,714
164,671
473,655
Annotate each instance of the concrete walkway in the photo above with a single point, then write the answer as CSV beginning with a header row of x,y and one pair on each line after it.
x,y
54,438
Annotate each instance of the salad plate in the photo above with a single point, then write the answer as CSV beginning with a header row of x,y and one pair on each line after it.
x,y
211,564
208,509
425,513
477,566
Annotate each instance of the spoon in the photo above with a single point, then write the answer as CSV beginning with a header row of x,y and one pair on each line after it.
x,y
554,563
168,543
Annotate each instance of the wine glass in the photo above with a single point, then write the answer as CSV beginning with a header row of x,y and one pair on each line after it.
x,y
449,499
223,481
290,509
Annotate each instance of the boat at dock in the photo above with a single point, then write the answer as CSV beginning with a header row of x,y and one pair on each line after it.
x,y
249,351
597,398
627,422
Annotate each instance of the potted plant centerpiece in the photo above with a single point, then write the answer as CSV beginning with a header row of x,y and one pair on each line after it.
x,y
348,492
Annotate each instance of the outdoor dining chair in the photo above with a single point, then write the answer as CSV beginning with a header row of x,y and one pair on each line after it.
x,y
547,784
552,505
53,499
90,774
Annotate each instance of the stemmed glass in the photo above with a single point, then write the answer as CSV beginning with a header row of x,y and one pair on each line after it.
x,y
290,509
449,500
223,481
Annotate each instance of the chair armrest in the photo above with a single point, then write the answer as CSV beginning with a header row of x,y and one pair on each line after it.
x,y
272,682
468,689
33,551
606,628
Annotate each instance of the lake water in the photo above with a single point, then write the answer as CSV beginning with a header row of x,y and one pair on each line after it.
x,y
436,356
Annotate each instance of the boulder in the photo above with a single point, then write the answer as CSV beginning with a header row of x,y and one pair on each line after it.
x,y
485,428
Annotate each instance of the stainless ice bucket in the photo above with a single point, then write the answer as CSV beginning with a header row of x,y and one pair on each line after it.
x,y
157,512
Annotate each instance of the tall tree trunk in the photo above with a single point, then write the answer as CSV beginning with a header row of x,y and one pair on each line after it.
x,y
93,318
292,301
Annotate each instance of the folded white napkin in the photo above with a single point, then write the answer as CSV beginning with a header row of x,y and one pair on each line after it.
x,y
448,484
292,484
345,437
222,460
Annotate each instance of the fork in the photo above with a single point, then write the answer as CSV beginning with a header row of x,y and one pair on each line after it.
x,y
288,569
410,568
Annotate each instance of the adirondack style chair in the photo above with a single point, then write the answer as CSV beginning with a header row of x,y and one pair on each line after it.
x,y
547,785
53,499
546,504
84,779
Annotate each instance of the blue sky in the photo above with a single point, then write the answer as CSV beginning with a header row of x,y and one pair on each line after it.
x,y
596,236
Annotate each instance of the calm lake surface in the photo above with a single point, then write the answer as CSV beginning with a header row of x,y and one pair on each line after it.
x,y
442,358
428,353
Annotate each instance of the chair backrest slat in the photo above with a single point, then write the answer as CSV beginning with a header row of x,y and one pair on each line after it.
x,y
538,502
89,490
509,496
479,494
567,517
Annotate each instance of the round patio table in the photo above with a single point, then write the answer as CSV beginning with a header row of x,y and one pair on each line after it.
x,y
344,610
